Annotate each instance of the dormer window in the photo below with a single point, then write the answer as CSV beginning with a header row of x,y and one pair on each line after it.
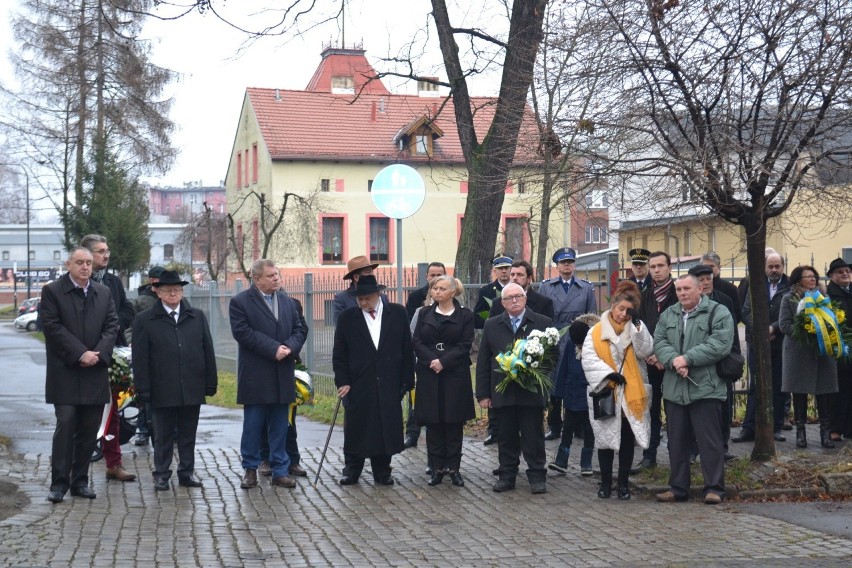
x,y
342,85
418,136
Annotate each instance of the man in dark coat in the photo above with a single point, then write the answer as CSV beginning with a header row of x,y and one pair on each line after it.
x,y
265,323
777,284
373,363
521,274
639,264
145,300
80,327
501,266
722,286
654,301
839,290
520,412
97,244
174,368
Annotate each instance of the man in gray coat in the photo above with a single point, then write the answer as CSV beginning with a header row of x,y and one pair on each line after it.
x,y
80,327
692,390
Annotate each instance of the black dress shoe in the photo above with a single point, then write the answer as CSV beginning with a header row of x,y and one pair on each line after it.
x,y
437,479
552,435
605,490
56,496
538,487
491,439
779,437
729,456
623,492
161,485
348,480
83,491
456,478
503,485
385,480
189,481
410,442
745,436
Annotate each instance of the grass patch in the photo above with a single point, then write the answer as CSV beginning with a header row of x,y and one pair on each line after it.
x,y
226,393
8,312
737,472
321,410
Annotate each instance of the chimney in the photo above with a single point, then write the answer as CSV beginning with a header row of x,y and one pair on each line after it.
x,y
277,95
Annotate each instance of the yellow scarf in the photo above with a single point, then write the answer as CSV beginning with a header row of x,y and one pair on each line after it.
x,y
634,390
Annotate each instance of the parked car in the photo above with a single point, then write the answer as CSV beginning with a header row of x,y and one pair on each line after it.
x,y
29,306
27,321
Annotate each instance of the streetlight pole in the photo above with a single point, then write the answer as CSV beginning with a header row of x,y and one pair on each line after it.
x,y
27,177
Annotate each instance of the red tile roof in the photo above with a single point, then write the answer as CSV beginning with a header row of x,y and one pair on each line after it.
x,y
319,125
347,63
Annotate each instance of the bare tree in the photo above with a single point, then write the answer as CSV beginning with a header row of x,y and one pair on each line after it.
x,y
208,231
85,77
745,105
13,206
271,233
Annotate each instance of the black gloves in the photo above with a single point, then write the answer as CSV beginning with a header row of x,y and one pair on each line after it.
x,y
210,391
617,378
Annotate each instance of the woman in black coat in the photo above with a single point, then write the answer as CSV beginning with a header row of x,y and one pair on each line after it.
x,y
442,341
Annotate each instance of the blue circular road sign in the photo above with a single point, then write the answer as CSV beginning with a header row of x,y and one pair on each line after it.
x,y
398,191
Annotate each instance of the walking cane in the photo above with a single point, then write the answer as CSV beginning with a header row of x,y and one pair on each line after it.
x,y
327,440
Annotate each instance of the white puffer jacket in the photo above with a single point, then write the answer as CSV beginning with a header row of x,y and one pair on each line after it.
x,y
608,431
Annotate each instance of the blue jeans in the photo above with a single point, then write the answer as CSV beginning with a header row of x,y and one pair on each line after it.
x,y
274,418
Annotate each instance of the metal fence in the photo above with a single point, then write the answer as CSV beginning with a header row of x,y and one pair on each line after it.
x,y
316,293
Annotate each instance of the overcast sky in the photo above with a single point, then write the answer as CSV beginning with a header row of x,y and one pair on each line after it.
x,y
216,67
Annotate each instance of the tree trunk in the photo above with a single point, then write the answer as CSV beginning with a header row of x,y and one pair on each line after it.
x,y
544,232
764,442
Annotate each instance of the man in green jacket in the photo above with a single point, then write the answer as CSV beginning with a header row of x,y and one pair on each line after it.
x,y
692,391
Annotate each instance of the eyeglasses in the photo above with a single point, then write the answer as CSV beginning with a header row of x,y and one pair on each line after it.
x,y
172,292
809,276
104,252
515,298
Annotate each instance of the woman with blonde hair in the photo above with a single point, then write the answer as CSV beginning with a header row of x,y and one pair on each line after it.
x,y
613,356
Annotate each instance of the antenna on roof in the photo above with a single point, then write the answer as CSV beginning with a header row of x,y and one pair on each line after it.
x,y
277,95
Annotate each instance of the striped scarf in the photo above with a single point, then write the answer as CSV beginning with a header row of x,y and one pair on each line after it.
x,y
660,293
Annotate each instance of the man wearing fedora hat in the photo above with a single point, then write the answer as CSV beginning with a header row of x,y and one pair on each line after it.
x,y
373,362
840,290
174,368
266,325
357,267
571,297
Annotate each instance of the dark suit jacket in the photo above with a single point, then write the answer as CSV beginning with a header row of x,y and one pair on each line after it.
x,y
415,300
730,290
497,337
377,378
487,292
123,308
173,363
74,323
261,379
535,302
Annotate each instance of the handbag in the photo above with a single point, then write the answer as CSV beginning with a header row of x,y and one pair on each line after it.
x,y
603,403
730,367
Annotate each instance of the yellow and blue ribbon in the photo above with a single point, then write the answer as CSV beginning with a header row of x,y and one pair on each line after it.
x,y
512,361
817,308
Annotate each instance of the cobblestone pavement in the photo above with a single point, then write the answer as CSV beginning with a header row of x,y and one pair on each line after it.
x,y
409,524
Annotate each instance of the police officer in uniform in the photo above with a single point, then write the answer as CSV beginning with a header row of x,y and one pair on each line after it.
x,y
639,261
571,297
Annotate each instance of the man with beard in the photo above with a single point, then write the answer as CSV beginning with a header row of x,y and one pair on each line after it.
x,y
777,284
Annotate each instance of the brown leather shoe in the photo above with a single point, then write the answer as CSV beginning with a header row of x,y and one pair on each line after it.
x,y
712,498
670,497
265,469
119,473
249,479
283,481
298,471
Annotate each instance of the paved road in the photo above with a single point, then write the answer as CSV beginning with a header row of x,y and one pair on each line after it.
x,y
409,524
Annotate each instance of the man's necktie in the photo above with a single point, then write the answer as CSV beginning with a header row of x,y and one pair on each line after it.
x,y
372,314
174,315
515,323
268,299
566,286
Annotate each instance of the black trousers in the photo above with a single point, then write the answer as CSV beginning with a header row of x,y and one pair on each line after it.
x,y
412,428
625,455
74,440
444,445
521,431
703,417
353,465
577,420
174,423
655,378
554,414
493,423
841,401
